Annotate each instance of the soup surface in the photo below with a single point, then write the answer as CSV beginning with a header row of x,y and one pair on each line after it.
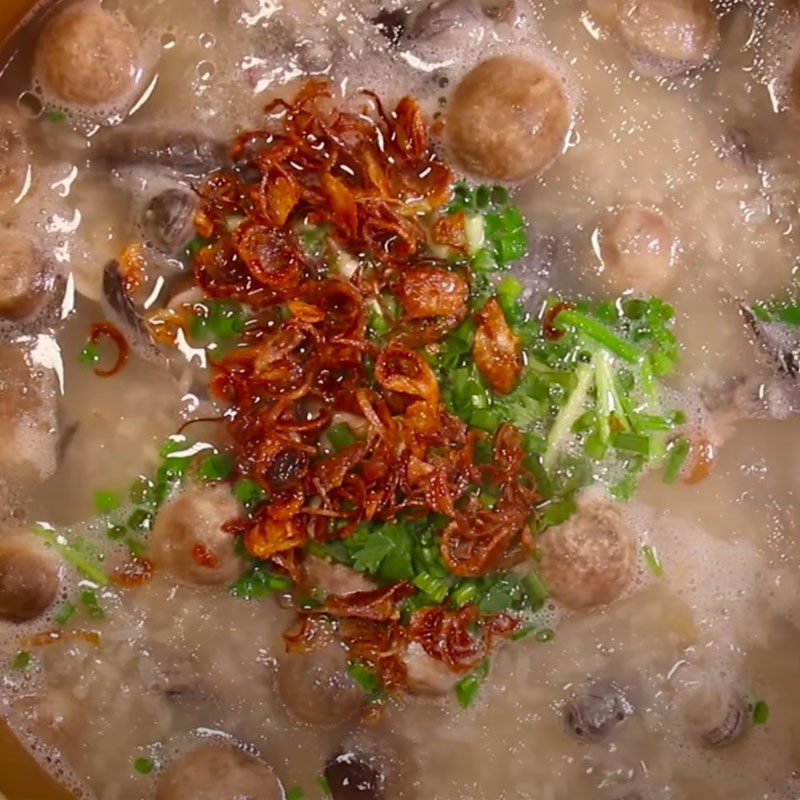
x,y
568,249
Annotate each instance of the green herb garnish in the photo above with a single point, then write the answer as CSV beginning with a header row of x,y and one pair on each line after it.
x,y
105,502
76,553
468,686
248,493
21,660
90,354
258,582
66,611
760,712
144,766
89,599
652,560
364,676
215,467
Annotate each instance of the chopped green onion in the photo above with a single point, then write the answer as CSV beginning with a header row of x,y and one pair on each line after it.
x,y
135,546
632,443
140,520
474,233
760,712
535,591
78,560
677,451
144,766
218,320
467,687
89,599
508,292
653,423
312,240
652,560
115,532
569,413
295,793
576,320
215,467
377,322
65,613
324,786
21,660
194,246
521,633
486,419
105,502
363,676
248,493
341,435
465,592
90,354
544,635
787,311
624,488
56,116
435,588
256,583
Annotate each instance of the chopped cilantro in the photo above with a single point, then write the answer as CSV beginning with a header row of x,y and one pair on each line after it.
x,y
384,550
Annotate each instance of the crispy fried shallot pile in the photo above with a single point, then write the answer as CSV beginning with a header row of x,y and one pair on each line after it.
x,y
305,361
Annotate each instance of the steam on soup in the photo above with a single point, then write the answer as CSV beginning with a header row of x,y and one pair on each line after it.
x,y
396,399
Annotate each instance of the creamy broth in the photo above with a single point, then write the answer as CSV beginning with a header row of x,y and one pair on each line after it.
x,y
715,149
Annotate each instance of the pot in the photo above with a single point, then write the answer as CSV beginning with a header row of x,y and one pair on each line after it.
x,y
20,776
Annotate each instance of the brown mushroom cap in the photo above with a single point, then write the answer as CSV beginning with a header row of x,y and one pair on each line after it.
x,y
29,578
188,541
88,57
316,688
638,250
508,119
589,560
22,276
218,772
